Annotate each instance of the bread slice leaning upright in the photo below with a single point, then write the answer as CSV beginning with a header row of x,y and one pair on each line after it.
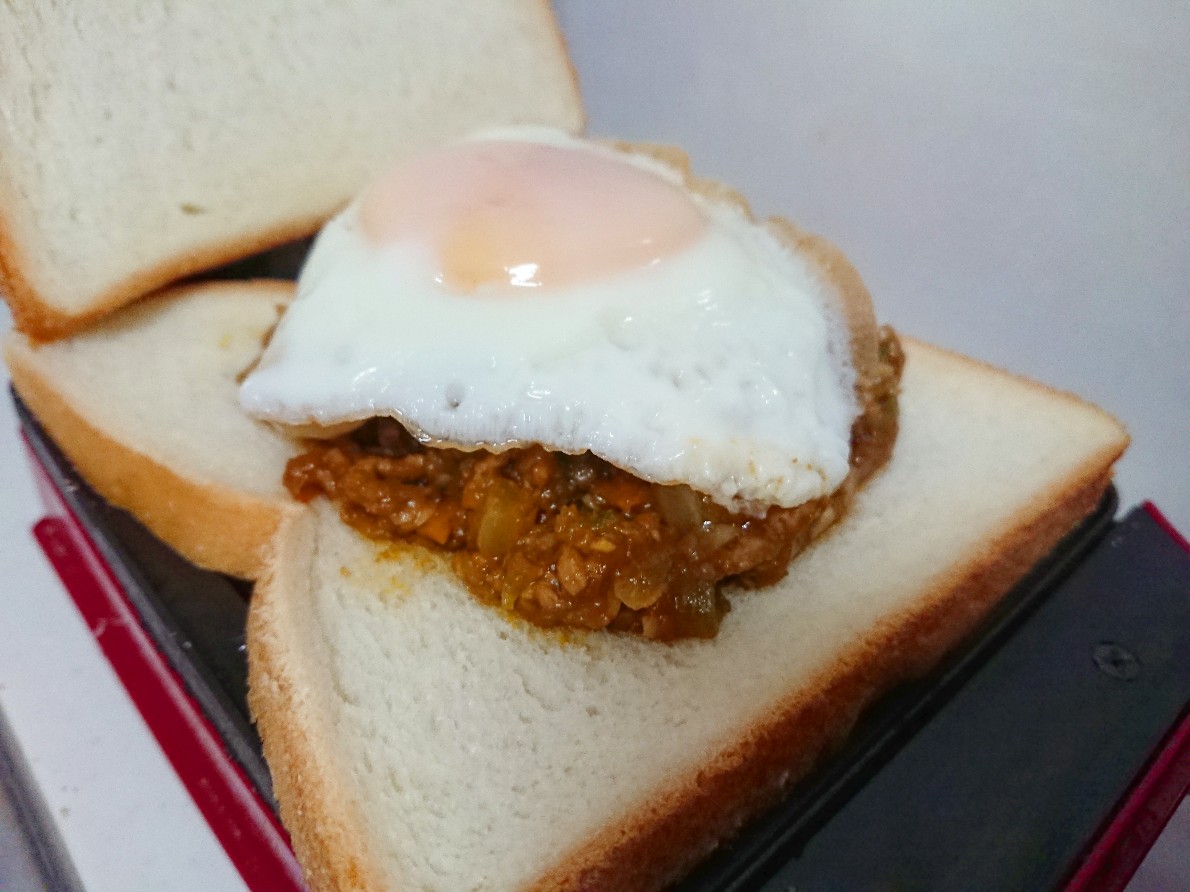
x,y
144,406
143,142
418,739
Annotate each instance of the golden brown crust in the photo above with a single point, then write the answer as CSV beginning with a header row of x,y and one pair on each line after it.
x,y
768,757
42,322
15,288
326,831
212,525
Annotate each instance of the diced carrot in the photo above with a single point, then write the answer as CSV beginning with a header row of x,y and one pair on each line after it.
x,y
623,492
438,528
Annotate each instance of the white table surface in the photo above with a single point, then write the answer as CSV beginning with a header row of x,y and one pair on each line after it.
x,y
1012,179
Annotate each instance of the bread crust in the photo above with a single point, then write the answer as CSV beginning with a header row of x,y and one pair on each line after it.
x,y
42,322
212,525
325,827
14,287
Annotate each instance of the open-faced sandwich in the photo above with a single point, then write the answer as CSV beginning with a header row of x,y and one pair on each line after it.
x,y
563,398
599,384
588,511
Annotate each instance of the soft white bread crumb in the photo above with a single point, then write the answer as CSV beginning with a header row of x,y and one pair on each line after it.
x,y
420,740
144,405
142,142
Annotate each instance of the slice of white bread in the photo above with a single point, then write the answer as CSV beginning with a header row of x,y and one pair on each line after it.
x,y
142,142
420,740
144,405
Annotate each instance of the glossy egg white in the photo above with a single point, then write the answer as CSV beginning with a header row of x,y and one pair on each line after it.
x,y
723,366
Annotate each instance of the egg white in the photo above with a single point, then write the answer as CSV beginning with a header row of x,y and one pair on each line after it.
x,y
724,366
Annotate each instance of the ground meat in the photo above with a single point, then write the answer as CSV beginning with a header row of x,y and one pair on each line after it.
x,y
570,540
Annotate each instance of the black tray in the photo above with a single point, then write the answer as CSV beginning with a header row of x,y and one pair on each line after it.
x,y
995,772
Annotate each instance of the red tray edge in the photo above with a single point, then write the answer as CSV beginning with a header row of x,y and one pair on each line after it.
x,y
1146,809
249,830
243,823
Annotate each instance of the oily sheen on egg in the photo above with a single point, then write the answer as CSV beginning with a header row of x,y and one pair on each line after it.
x,y
691,348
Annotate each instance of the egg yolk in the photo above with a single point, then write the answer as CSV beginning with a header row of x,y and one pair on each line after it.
x,y
524,215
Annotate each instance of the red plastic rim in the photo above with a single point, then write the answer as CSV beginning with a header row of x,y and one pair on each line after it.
x,y
243,823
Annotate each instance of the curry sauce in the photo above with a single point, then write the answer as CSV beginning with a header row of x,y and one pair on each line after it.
x,y
571,540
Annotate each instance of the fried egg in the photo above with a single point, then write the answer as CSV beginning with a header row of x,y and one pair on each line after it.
x,y
526,286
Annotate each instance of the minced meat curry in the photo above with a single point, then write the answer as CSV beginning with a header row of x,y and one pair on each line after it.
x,y
570,540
